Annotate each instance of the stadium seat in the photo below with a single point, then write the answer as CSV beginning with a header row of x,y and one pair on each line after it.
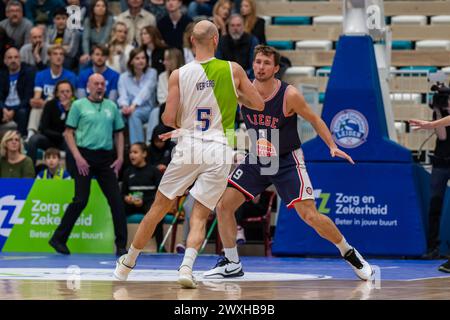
x,y
419,68
321,97
267,19
314,45
288,21
135,218
439,20
324,71
433,45
301,71
281,45
402,45
327,20
446,70
409,20
264,221
406,97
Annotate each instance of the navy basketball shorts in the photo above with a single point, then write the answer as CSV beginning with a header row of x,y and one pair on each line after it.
x,y
291,180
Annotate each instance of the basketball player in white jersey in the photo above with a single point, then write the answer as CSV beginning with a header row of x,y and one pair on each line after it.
x,y
203,95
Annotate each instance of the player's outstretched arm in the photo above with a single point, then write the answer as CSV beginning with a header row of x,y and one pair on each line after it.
x,y
247,93
169,116
295,103
422,124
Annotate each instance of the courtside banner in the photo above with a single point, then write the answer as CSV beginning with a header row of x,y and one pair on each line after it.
x,y
379,210
31,210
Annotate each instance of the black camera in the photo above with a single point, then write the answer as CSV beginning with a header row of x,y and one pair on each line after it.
x,y
441,94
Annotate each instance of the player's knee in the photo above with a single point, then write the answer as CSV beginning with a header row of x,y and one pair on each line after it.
x,y
221,209
310,216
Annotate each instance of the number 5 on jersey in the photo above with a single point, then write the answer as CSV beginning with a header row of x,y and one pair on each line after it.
x,y
204,116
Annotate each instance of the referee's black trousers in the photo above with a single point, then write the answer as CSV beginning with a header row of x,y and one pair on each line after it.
x,y
99,167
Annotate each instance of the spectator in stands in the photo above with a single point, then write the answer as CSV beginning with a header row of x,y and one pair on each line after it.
x,y
52,159
15,91
42,11
200,8
173,59
99,56
136,17
13,163
5,43
44,85
93,125
252,23
160,152
254,208
137,90
188,49
52,125
35,53
69,39
173,25
238,45
154,46
17,27
81,4
3,9
140,182
97,28
157,8
221,13
119,48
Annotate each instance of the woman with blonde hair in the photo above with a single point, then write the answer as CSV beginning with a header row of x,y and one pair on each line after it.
x,y
13,163
252,23
221,13
173,59
188,49
154,45
119,48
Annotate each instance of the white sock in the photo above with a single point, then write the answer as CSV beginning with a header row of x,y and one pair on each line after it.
x,y
231,254
343,246
133,253
189,258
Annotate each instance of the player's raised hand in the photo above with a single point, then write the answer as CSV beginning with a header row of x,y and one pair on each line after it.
x,y
336,152
420,124
169,135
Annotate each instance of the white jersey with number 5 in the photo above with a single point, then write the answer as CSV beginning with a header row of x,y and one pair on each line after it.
x,y
208,98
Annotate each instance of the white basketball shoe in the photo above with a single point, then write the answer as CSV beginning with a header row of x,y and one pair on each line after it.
x,y
361,267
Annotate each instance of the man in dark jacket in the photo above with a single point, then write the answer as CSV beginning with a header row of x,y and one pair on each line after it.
x,y
15,91
237,45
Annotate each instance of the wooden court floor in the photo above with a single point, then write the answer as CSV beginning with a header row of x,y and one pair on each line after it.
x,y
438,288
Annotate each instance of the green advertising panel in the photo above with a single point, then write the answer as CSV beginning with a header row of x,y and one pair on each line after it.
x,y
42,213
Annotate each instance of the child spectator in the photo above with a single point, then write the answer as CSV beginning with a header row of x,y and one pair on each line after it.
x,y
140,182
52,159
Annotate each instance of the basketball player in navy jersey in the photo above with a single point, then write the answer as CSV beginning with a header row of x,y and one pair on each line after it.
x,y
282,105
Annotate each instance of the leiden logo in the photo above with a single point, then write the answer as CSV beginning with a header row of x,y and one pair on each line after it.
x,y
349,128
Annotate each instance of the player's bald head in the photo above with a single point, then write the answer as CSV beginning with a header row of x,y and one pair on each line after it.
x,y
204,31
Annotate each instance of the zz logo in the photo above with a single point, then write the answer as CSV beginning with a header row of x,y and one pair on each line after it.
x,y
9,204
322,201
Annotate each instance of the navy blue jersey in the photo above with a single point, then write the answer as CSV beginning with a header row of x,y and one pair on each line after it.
x,y
265,124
